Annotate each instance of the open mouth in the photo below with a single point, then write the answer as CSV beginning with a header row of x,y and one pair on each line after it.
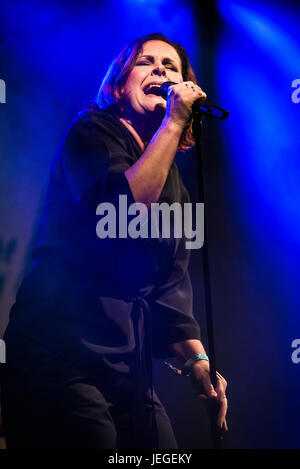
x,y
152,89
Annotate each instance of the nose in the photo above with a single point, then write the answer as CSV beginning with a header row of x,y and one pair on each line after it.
x,y
159,70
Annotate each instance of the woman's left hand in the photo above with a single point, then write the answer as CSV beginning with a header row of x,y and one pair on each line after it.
x,y
202,384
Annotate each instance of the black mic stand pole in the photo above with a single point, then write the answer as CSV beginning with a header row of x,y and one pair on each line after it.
x,y
216,433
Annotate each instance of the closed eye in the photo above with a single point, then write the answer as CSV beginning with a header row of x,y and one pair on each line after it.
x,y
170,65
166,62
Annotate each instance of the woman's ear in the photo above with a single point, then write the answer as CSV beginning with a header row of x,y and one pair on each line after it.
x,y
119,93
119,99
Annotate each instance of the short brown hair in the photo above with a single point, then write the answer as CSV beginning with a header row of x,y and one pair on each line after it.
x,y
109,95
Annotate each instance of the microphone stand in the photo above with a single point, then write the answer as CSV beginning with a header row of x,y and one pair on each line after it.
x,y
216,433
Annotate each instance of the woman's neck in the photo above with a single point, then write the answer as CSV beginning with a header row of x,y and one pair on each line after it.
x,y
132,130
142,128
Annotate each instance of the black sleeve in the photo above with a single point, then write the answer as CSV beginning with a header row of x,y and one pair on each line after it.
x,y
95,155
172,307
95,159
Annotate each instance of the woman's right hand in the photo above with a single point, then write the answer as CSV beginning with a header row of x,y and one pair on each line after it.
x,y
181,98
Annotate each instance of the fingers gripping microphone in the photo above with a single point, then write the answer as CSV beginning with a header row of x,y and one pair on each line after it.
x,y
201,107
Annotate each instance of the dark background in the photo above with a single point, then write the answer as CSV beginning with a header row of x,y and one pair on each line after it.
x,y
246,56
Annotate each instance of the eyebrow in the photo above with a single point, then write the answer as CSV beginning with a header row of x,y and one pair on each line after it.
x,y
165,59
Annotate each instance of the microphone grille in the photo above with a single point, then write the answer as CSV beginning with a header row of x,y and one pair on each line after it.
x,y
164,88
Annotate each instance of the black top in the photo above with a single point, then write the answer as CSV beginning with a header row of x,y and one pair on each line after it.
x,y
87,299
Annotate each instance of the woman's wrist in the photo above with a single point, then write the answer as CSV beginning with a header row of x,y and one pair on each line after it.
x,y
201,365
187,348
199,371
172,126
195,358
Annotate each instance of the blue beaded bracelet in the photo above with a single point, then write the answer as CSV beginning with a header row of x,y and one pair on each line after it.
x,y
188,364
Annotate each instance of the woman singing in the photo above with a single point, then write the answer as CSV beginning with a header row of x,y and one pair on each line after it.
x,y
94,310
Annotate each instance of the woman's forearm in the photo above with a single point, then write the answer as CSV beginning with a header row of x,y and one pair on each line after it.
x,y
187,348
148,175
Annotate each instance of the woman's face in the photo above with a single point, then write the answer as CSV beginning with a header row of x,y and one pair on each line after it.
x,y
156,63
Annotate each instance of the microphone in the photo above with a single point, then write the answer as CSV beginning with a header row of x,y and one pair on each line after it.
x,y
200,107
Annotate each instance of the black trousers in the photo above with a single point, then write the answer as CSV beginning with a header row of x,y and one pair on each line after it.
x,y
48,403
